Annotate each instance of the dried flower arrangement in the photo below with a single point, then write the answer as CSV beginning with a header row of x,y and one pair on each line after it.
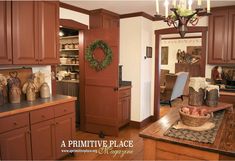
x,y
3,81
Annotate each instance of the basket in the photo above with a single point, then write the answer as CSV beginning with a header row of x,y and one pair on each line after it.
x,y
193,121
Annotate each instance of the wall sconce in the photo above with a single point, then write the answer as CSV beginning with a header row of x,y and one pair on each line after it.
x,y
148,52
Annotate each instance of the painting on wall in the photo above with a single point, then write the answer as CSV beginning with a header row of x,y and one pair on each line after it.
x,y
195,51
164,55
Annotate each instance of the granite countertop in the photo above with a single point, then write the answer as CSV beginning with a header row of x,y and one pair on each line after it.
x,y
223,144
124,84
25,106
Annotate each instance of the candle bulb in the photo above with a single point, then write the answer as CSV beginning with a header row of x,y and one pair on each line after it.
x,y
190,5
174,3
166,8
157,6
208,6
199,2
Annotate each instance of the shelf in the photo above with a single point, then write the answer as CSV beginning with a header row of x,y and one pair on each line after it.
x,y
69,50
69,37
69,64
68,81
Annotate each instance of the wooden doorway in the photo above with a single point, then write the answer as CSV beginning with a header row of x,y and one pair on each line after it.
x,y
158,33
71,24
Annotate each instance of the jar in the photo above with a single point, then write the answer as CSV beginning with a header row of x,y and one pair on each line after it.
x,y
14,94
212,95
196,91
45,90
31,92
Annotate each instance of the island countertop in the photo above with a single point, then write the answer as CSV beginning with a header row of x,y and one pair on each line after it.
x,y
224,143
25,106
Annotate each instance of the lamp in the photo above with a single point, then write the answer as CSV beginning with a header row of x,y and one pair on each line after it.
x,y
182,14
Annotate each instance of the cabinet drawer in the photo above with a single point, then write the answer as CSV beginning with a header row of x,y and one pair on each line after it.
x,y
41,115
124,93
64,109
14,122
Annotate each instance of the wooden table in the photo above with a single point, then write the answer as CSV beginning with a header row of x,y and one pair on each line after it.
x,y
160,147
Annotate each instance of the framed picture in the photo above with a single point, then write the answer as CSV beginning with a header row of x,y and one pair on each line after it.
x,y
164,55
148,52
196,51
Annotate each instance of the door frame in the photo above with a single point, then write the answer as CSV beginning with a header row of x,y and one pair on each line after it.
x,y
82,28
158,34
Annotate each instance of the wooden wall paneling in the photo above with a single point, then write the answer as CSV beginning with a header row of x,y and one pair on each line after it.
x,y
24,32
218,29
48,32
231,36
5,30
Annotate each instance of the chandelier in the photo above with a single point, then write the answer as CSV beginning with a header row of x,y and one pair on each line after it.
x,y
182,14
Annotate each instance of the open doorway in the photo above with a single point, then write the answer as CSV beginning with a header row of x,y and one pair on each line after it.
x,y
70,71
169,68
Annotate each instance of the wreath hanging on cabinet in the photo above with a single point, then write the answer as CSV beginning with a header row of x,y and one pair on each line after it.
x,y
94,63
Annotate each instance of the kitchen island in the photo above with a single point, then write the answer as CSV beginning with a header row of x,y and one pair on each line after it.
x,y
160,147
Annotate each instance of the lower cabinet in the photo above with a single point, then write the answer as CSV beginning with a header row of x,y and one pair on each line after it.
x,y
16,144
38,134
124,106
43,140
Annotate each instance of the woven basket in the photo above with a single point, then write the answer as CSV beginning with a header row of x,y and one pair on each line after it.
x,y
193,121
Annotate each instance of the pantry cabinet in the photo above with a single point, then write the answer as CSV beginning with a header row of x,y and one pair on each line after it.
x,y
35,27
5,30
222,36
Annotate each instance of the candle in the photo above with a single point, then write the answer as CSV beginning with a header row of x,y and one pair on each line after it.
x,y
157,6
166,8
190,4
208,6
174,3
199,2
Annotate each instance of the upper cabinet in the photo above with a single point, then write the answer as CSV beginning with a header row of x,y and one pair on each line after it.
x,y
34,26
101,18
222,36
5,32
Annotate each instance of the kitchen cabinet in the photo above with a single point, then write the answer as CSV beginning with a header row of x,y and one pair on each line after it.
x,y
101,18
5,30
64,131
43,148
124,105
30,32
16,144
222,36
37,134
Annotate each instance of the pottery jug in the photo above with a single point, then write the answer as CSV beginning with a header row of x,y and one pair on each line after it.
x,y
45,90
15,94
31,92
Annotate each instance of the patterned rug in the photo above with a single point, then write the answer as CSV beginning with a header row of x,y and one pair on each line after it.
x,y
207,136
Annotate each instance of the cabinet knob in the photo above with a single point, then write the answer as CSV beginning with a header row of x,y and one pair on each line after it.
x,y
43,116
65,110
9,59
15,123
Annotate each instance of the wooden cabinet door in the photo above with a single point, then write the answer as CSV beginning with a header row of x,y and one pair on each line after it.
x,y
231,38
16,145
218,37
101,87
5,33
48,32
43,140
64,131
124,108
24,32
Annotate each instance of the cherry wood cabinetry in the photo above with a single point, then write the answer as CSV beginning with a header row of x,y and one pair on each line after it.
x,y
16,144
29,32
222,36
5,32
101,18
124,106
37,134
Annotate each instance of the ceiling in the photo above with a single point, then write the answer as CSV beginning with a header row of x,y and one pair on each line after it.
x,y
130,6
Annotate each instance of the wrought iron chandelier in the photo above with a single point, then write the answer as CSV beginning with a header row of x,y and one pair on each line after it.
x,y
182,14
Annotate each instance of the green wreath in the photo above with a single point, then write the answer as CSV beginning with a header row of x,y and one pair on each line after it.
x,y
95,64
